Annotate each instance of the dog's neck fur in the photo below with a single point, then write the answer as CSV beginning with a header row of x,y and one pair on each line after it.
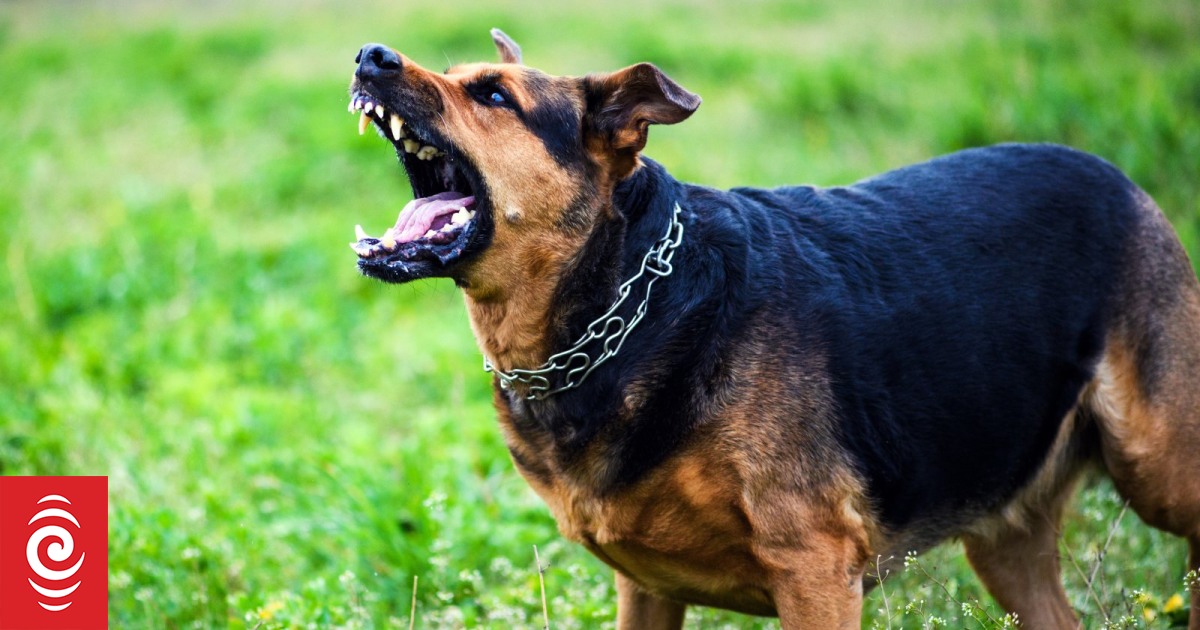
x,y
635,218
544,305
622,397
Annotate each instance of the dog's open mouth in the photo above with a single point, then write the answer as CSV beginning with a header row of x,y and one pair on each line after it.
x,y
442,225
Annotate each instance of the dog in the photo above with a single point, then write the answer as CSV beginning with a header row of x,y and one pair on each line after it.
x,y
745,399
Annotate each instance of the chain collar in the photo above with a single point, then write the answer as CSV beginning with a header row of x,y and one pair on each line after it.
x,y
574,362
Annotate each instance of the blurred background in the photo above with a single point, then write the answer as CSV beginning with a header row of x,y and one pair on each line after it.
x,y
289,444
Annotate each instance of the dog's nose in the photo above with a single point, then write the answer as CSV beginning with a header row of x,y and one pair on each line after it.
x,y
375,59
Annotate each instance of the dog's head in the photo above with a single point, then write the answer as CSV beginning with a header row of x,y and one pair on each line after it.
x,y
510,167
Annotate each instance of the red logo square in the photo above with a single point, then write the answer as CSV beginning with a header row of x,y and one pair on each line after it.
x,y
53,553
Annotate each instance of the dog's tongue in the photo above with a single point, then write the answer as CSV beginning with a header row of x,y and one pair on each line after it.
x,y
428,213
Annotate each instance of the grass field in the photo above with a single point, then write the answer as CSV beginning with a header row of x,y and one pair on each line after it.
x,y
289,444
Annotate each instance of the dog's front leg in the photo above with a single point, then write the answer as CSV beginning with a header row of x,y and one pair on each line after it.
x,y
827,609
819,588
637,609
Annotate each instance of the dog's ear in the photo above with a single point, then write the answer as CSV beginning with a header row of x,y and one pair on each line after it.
x,y
622,104
509,51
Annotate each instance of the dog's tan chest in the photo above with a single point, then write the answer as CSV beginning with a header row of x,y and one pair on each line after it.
x,y
681,532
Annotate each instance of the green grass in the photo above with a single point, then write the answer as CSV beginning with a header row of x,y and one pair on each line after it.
x,y
289,444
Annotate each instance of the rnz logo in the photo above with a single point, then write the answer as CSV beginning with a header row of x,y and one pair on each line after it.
x,y
54,586
53,552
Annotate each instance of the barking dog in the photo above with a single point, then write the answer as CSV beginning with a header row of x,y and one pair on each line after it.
x,y
743,398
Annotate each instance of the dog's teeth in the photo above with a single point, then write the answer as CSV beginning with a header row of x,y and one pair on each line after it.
x,y
411,146
460,217
430,233
394,122
360,233
379,111
363,121
368,105
388,243
350,106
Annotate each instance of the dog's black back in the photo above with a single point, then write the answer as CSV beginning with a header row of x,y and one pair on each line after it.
x,y
960,304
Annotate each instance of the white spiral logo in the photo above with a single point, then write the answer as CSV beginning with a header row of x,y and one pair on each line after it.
x,y
59,551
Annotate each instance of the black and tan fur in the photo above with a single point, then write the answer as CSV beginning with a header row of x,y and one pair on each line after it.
x,y
830,376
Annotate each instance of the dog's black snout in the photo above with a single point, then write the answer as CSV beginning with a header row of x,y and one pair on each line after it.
x,y
375,58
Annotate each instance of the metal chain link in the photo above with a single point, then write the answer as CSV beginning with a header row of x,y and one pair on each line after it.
x,y
575,362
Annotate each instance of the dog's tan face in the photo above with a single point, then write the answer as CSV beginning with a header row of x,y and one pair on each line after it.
x,y
509,165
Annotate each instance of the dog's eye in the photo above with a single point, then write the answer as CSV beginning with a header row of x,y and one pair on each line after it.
x,y
491,94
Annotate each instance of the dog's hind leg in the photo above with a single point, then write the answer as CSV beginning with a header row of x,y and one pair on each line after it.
x,y
1146,393
637,609
1151,442
1020,570
1015,551
1151,446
